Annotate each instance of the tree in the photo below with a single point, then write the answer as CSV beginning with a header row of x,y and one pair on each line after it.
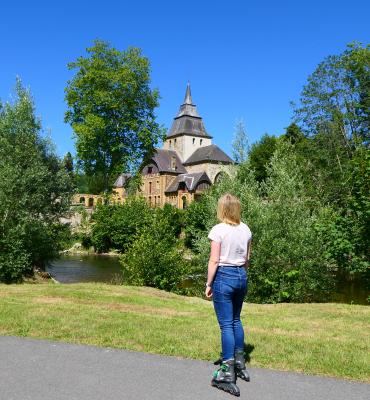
x,y
260,155
111,110
337,93
240,143
294,133
68,162
35,190
334,112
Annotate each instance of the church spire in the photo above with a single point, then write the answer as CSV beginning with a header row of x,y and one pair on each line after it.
x,y
187,120
187,107
188,99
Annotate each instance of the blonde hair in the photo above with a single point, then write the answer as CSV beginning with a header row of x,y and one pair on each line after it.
x,y
228,209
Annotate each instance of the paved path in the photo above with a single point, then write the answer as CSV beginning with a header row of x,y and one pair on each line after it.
x,y
45,370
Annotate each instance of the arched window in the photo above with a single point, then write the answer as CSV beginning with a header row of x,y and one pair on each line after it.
x,y
201,141
82,200
184,202
219,177
91,201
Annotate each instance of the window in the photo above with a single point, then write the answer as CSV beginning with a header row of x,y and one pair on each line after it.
x,y
82,200
173,163
184,202
170,143
201,140
150,187
158,185
150,170
175,141
193,140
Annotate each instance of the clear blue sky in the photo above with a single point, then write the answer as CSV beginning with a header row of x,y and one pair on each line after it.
x,y
244,59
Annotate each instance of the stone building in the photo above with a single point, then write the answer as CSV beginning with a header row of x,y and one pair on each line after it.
x,y
187,164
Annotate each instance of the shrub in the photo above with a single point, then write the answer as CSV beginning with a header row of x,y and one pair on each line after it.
x,y
288,261
115,226
154,258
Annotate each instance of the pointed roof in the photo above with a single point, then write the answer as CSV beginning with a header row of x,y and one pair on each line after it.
x,y
191,181
163,159
187,120
211,153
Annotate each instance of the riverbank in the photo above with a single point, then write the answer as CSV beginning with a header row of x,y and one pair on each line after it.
x,y
324,339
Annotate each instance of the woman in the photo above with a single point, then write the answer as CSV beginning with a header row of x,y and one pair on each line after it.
x,y
227,284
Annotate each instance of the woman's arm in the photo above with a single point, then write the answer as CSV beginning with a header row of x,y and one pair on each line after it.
x,y
214,259
248,253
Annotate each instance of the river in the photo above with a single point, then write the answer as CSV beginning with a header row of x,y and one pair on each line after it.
x,y
100,268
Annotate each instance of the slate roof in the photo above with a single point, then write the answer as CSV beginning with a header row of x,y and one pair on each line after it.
x,y
162,158
187,120
191,181
121,180
208,153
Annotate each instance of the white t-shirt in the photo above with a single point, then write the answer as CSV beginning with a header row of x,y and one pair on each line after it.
x,y
234,241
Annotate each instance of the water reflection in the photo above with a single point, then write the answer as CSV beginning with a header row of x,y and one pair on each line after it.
x,y
85,268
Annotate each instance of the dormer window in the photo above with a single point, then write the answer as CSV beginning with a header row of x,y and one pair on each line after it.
x,y
173,163
150,170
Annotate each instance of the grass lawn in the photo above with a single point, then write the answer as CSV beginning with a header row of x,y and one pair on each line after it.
x,y
326,339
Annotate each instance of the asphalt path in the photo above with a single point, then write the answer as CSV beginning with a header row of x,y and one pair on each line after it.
x,y
45,370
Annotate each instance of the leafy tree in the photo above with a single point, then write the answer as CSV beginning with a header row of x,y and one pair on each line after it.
x,y
260,155
336,96
335,114
68,162
35,190
294,134
111,110
240,143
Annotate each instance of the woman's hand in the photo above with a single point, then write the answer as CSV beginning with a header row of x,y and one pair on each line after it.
x,y
208,292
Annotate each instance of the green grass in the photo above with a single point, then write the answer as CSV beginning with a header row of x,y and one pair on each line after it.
x,y
326,339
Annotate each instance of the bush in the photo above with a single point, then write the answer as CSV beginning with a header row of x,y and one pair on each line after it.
x,y
115,226
288,261
155,258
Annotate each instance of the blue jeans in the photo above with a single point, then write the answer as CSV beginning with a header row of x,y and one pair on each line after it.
x,y
229,288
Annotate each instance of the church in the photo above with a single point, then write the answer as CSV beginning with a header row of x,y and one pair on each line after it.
x,y
186,165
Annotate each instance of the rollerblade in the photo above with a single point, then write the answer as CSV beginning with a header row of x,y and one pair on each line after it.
x,y
240,369
224,378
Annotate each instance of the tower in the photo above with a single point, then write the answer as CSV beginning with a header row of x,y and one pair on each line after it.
x,y
187,133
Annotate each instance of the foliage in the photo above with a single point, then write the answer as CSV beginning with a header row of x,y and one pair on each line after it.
x,y
196,219
111,110
35,190
155,258
115,226
240,143
260,155
334,112
337,93
287,252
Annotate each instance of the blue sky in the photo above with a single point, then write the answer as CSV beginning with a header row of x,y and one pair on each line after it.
x,y
244,59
